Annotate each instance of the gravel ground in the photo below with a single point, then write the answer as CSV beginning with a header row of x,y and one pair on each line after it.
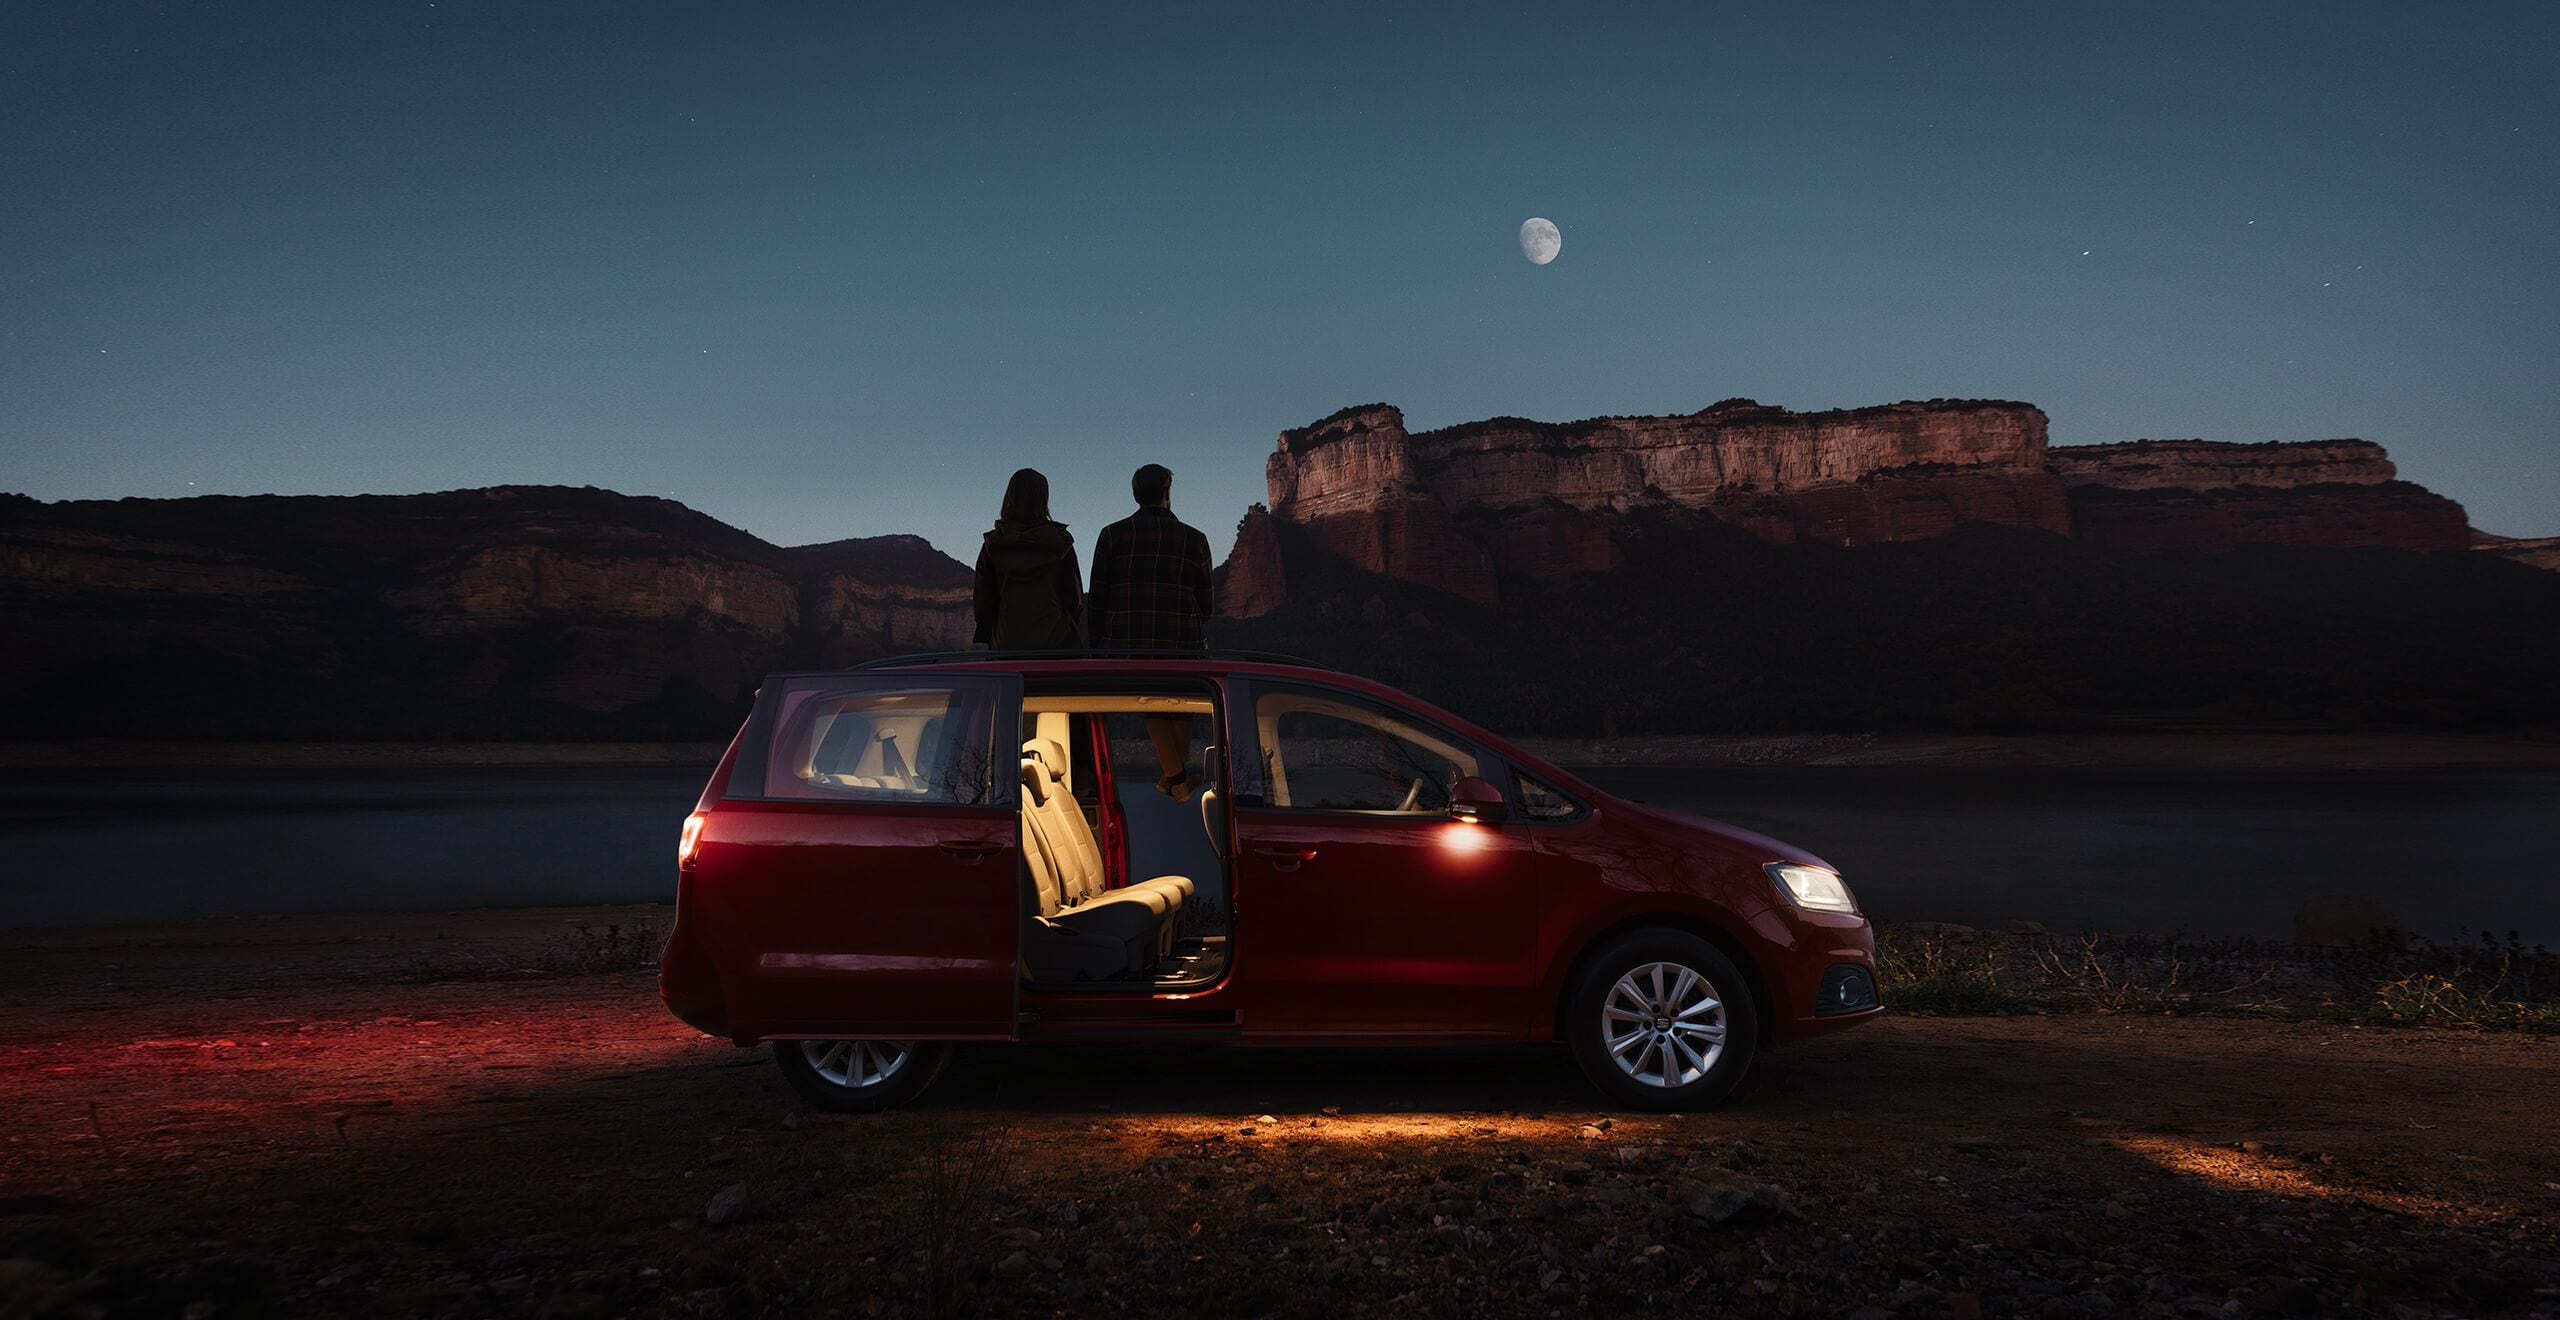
x,y
295,1118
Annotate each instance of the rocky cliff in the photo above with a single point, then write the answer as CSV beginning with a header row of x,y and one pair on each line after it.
x,y
1706,628
2541,552
2210,496
2222,465
509,611
1463,508
1928,564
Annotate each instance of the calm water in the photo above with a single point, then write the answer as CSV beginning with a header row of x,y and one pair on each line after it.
x,y
2229,853
2223,853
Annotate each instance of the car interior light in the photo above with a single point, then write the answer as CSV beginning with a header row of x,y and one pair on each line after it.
x,y
1812,888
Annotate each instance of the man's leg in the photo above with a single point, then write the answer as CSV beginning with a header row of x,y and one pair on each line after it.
x,y
1172,736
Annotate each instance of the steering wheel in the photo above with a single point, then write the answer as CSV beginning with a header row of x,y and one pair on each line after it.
x,y
1411,795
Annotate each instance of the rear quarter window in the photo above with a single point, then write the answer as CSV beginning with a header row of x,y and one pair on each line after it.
x,y
864,742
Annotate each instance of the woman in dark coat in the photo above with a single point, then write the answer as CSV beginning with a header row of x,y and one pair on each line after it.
x,y
1030,592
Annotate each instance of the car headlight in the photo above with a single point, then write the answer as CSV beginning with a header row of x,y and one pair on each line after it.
x,y
1812,888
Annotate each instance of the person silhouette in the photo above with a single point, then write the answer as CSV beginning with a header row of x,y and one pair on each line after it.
x,y
1028,593
1151,592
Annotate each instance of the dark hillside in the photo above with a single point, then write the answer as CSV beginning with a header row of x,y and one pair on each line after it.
x,y
1711,629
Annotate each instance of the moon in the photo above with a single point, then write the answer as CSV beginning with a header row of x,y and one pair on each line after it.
x,y
1539,241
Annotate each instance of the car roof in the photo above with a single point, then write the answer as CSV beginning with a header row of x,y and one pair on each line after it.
x,y
1247,664
1264,664
1081,660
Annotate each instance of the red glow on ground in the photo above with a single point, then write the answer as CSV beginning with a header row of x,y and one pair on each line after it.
x,y
245,1076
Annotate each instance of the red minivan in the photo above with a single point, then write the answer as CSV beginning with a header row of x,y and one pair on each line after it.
x,y
1219,847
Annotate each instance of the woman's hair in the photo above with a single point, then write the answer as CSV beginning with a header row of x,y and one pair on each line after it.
x,y
1026,498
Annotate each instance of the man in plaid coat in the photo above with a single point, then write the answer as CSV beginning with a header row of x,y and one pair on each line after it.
x,y
1150,592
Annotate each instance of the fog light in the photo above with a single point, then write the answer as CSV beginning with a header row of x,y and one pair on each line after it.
x,y
1846,988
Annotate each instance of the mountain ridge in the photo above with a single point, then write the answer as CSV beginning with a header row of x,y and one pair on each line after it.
x,y
1989,580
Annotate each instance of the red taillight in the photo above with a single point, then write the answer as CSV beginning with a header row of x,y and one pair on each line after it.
x,y
685,841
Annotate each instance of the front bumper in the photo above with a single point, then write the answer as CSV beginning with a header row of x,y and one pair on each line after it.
x,y
1817,952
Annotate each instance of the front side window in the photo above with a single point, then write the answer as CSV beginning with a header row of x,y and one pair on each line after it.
x,y
1539,802
1329,752
913,744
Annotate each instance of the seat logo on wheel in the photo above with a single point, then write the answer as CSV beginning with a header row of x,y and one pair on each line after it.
x,y
1664,1024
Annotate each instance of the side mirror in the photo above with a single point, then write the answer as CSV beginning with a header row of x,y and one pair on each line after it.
x,y
1476,801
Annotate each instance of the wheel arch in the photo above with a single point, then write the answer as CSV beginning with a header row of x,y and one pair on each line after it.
x,y
1764,1008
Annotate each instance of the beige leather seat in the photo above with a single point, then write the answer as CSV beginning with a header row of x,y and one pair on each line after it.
x,y
854,755
1083,858
1096,938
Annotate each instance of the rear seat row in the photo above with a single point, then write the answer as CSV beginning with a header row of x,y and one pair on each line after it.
x,y
851,745
1083,930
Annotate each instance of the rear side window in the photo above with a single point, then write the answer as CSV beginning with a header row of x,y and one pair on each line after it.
x,y
857,740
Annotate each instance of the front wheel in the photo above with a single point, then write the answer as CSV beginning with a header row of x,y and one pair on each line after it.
x,y
861,1076
1661,1019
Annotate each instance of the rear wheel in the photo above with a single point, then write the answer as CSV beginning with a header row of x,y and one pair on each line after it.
x,y
861,1076
1661,1019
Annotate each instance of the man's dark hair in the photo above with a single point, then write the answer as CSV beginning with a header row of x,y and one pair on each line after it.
x,y
1152,483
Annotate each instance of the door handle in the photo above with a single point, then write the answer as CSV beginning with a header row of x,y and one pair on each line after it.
x,y
1285,859
970,852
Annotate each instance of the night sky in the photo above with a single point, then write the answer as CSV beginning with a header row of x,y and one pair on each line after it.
x,y
827,272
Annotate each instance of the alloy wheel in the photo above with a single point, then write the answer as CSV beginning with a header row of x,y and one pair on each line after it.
x,y
857,1064
1663,1024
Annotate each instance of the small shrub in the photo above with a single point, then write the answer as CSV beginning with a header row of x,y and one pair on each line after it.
x,y
1932,973
589,950
585,951
966,1172
2486,983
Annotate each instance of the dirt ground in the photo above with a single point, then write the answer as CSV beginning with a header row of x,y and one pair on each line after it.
x,y
383,1116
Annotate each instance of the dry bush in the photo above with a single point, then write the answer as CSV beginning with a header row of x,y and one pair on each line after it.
x,y
1931,967
1925,971
589,950
585,951
2488,986
965,1169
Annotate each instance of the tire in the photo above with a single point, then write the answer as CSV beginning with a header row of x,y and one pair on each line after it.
x,y
821,1071
1654,1069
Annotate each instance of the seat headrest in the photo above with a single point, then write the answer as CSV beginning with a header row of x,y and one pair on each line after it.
x,y
1035,783
1049,752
